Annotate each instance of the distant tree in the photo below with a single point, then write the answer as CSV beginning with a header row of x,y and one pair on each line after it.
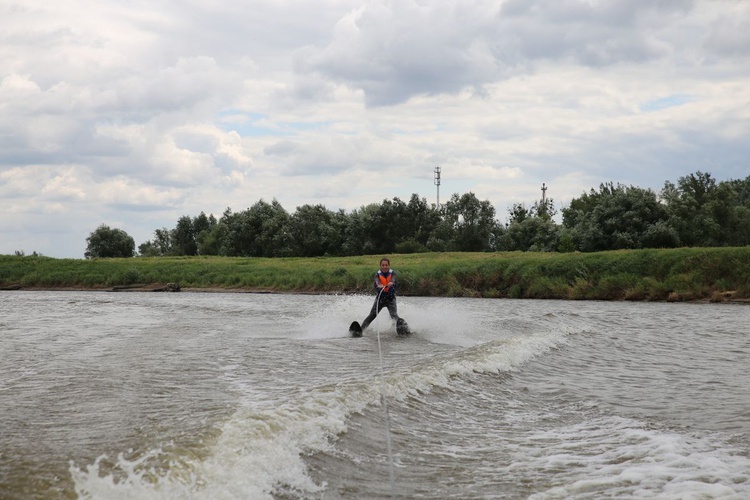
x,y
394,224
616,217
706,213
499,238
260,231
443,236
188,237
210,235
107,242
696,211
686,202
274,240
315,232
163,240
472,221
235,237
422,219
544,209
189,233
391,226
533,234
566,244
209,241
519,213
742,188
183,237
660,235
159,246
361,234
203,222
531,229
148,249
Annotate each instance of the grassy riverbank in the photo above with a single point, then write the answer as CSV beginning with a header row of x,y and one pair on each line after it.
x,y
670,274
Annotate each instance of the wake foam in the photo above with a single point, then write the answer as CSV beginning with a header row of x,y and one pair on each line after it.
x,y
620,457
260,449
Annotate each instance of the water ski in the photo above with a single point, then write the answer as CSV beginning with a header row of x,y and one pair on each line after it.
x,y
355,330
402,328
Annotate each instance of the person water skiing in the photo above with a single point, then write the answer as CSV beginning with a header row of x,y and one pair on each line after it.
x,y
385,285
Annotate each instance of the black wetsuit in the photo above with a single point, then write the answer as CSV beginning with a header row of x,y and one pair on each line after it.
x,y
384,299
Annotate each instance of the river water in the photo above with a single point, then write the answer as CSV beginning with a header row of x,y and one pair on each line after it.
x,y
251,396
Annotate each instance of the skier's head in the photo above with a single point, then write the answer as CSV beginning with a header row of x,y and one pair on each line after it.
x,y
385,265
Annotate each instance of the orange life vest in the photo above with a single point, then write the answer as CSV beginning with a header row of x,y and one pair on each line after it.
x,y
385,280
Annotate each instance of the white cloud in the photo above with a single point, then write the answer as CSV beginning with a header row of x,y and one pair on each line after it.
x,y
135,114
395,50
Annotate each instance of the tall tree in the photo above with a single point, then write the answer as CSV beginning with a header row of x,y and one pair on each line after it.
x,y
208,234
422,219
472,220
362,233
183,237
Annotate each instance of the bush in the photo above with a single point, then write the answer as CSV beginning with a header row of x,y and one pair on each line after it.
x,y
105,242
410,246
131,276
547,288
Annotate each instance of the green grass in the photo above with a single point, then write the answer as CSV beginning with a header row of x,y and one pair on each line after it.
x,y
671,274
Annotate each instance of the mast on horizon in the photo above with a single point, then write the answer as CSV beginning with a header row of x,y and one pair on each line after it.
x,y
437,183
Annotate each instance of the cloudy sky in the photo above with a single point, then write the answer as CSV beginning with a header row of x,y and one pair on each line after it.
x,y
132,113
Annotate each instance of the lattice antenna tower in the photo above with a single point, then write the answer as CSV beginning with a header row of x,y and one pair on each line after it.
x,y
544,200
437,183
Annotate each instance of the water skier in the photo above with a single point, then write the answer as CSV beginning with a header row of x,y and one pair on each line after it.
x,y
386,285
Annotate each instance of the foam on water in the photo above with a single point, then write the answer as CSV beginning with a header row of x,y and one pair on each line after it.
x,y
616,456
428,319
260,450
135,478
332,319
261,447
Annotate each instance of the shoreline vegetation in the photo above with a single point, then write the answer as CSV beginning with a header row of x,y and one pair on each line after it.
x,y
677,275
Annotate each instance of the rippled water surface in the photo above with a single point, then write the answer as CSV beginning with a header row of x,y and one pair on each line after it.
x,y
187,395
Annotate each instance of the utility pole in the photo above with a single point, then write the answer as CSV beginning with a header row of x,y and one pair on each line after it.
x,y
437,183
544,194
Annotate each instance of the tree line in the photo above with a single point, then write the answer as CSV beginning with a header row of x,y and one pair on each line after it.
x,y
695,211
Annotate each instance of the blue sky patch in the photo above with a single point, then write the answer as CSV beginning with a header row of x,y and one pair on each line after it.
x,y
258,124
666,102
